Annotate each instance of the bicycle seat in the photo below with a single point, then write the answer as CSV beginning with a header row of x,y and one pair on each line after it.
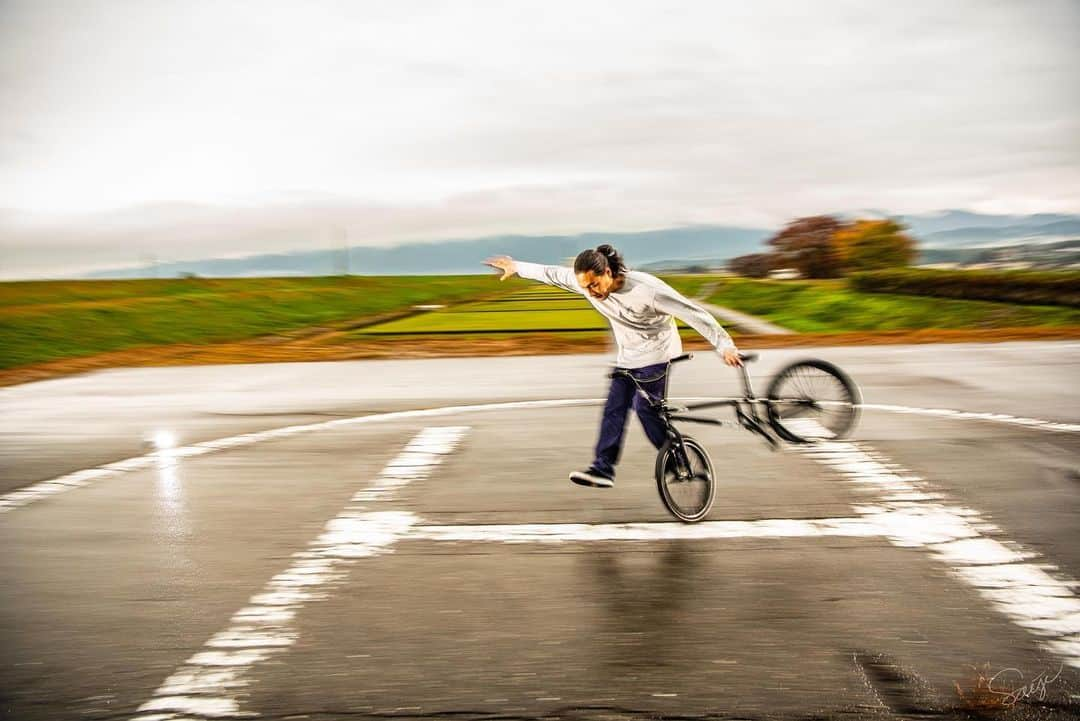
x,y
748,357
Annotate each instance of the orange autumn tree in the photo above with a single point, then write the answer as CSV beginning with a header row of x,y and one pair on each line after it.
x,y
873,244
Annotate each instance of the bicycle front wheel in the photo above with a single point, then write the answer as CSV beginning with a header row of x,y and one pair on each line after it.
x,y
812,400
686,484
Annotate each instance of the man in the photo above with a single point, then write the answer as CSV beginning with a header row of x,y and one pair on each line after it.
x,y
642,310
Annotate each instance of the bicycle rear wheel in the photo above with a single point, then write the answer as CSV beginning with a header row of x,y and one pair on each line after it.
x,y
686,485
812,400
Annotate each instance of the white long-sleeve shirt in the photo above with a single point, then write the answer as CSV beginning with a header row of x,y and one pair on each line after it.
x,y
642,314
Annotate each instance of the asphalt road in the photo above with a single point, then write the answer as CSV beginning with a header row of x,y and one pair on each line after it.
x,y
350,551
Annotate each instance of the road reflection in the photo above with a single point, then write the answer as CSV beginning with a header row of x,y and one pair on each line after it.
x,y
648,599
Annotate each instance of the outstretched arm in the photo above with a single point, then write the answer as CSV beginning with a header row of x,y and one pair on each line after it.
x,y
555,275
670,301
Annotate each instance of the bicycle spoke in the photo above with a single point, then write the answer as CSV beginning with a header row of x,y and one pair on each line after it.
x,y
812,402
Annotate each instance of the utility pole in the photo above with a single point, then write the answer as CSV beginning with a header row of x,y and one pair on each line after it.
x,y
339,252
346,250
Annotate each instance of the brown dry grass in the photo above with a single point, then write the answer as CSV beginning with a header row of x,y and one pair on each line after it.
x,y
330,344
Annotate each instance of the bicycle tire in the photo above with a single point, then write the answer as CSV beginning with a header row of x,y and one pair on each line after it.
x,y
672,494
811,400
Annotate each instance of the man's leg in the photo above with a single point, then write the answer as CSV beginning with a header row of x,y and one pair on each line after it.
x,y
654,380
613,424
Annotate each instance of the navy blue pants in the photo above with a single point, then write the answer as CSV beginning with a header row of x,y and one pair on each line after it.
x,y
621,396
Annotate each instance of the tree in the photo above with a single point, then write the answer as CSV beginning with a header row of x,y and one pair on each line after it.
x,y
754,265
874,244
807,245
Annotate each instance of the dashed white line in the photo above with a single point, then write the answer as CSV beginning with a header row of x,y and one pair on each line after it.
x,y
906,511
1034,596
207,684
569,532
903,508
976,416
78,479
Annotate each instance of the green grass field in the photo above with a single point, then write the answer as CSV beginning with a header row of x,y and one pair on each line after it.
x,y
532,309
50,320
828,306
529,309
45,321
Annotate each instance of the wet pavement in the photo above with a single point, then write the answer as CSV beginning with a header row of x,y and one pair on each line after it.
x,y
471,580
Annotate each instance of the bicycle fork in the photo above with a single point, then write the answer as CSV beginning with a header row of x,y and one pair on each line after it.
x,y
683,472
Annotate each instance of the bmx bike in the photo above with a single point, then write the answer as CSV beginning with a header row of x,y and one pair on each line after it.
x,y
806,401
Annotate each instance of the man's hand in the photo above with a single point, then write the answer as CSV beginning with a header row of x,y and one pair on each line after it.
x,y
731,357
504,263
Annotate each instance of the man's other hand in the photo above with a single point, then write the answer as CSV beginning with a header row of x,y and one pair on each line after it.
x,y
731,357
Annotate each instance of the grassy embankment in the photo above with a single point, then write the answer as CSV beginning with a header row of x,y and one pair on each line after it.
x,y
53,328
53,320
829,306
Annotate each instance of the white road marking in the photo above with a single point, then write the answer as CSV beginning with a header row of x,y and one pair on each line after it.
x,y
207,684
808,428
1034,596
974,416
78,479
568,532
907,511
903,508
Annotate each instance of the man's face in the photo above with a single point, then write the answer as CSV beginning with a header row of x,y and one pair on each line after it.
x,y
598,285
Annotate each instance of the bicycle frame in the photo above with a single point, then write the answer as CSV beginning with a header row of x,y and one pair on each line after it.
x,y
746,411
746,408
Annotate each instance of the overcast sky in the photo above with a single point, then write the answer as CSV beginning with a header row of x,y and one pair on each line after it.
x,y
418,120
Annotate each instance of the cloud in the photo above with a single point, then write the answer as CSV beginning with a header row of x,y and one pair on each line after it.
x,y
441,119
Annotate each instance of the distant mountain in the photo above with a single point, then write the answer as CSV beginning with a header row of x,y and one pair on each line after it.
x,y
946,220
1062,254
962,229
467,256
280,233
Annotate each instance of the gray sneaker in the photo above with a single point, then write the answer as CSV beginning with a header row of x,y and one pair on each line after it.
x,y
592,477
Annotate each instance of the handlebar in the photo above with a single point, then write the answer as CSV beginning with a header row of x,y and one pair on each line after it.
x,y
745,357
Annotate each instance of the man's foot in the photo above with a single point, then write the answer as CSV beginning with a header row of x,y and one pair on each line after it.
x,y
592,477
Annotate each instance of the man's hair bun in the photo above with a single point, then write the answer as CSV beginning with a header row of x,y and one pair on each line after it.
x,y
605,257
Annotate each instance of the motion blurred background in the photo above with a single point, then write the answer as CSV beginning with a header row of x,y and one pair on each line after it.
x,y
187,182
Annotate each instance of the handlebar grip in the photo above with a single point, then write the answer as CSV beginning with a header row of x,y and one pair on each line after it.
x,y
684,356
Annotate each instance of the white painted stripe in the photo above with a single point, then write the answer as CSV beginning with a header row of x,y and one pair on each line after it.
x,y
974,416
43,489
207,685
1035,596
76,479
569,532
